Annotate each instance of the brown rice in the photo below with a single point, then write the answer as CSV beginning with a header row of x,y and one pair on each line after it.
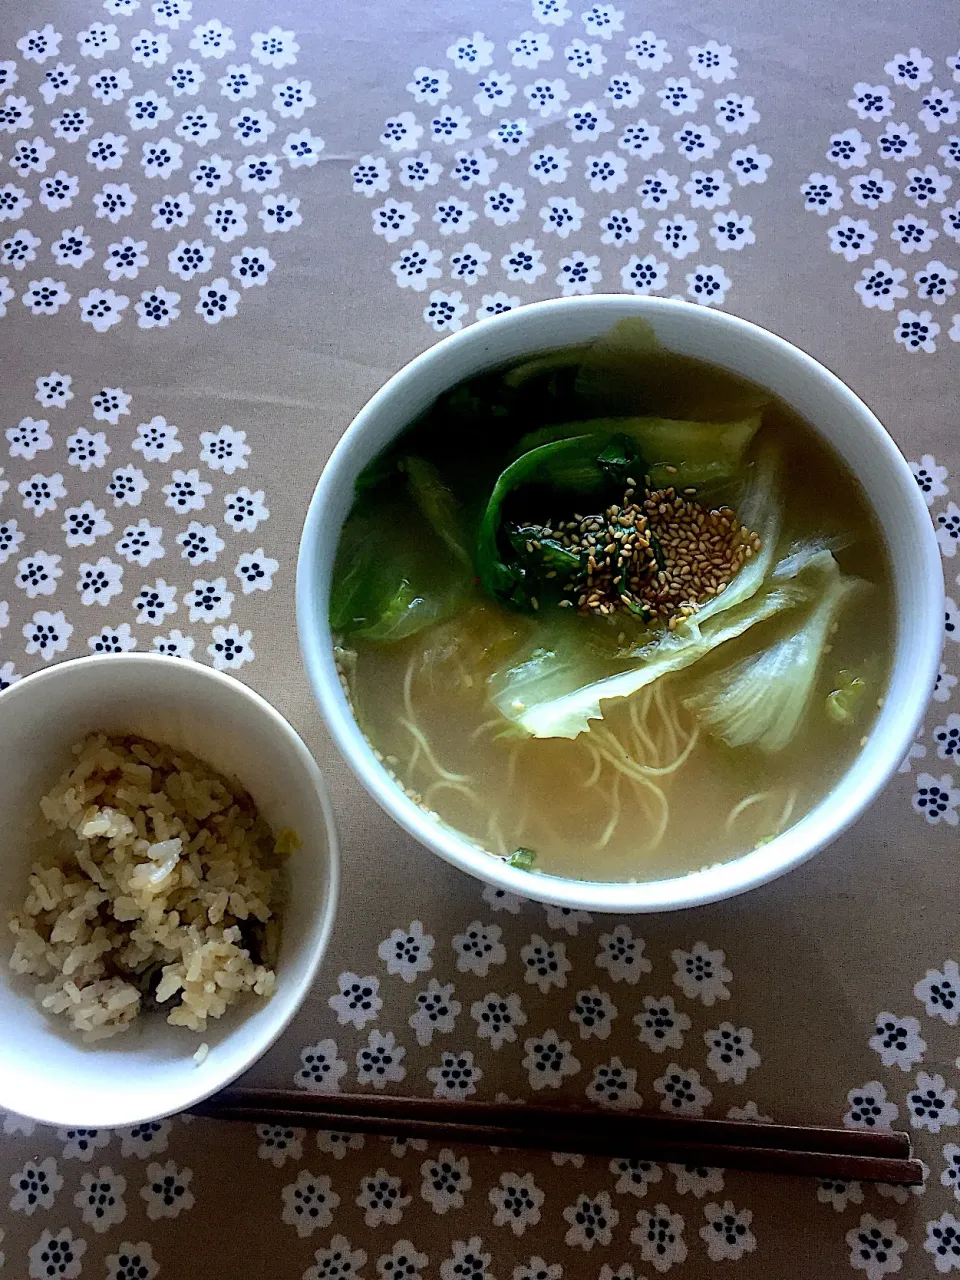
x,y
159,890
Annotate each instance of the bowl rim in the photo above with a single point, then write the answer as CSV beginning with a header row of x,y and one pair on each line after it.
x,y
697,888
321,931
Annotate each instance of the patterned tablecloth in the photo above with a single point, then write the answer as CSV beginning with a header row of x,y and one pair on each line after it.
x,y
222,228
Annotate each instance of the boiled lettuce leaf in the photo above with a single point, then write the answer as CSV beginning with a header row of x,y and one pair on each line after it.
x,y
697,453
437,504
761,700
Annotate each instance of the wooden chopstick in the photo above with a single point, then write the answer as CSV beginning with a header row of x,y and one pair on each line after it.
x,y
731,1144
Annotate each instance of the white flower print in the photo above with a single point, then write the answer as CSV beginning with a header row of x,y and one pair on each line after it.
x,y
708,285
747,164
230,648
822,193
880,285
659,1235
56,1254
550,164
938,106
641,139
436,1011
356,1002
186,491
910,69
931,1104
916,751
602,20
381,1199
584,59
951,221
469,263
114,201
696,142
606,172
713,61
107,151
870,101
98,39
141,543
157,440
614,1085
950,152
546,97
338,1144
503,204
869,1107
470,53
852,238
200,543
59,191
926,185
155,601
546,964
113,640
453,215
561,215
54,389
548,1060
683,1094
875,1247
403,1262
151,50
621,954
72,249
472,168
838,1193
209,600
536,1269
401,132
83,1144
697,1180
649,52
127,486
279,1143
282,213
245,510
157,307
159,159
101,1199
592,1221
308,1203
46,297
494,90
587,123
227,219
37,574
407,951
727,1233
943,689
679,96
304,148
478,947
942,1242
732,1054
38,46
497,1018
950,1177
467,1258
147,110
417,266
98,583
450,125
511,136
644,275
292,97
849,149
28,438
523,262
429,86
456,1075
321,1068
730,230
897,142
898,1041
516,1202
41,493
239,82
444,1181
197,125
621,226
259,173
84,524
658,190
10,539
634,1176
419,171
255,570
380,1060
916,330
495,304
935,282
86,449
578,274
947,736
677,236
623,90
593,1013
19,249
735,114
172,211
35,1186
13,202
125,259
529,49
68,126
190,258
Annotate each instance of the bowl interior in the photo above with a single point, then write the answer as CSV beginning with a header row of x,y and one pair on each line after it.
x,y
820,397
45,1071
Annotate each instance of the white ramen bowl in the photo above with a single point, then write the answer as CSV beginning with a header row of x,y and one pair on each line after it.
x,y
818,396
147,1071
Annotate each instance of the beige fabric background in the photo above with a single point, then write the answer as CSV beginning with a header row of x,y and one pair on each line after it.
x,y
815,957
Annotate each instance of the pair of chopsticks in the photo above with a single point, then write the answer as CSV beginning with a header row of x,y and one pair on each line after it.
x,y
852,1154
